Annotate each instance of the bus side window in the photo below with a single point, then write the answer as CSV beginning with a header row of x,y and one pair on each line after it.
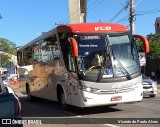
x,y
28,56
46,50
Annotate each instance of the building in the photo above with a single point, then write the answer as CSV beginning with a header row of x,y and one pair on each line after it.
x,y
77,11
157,25
11,65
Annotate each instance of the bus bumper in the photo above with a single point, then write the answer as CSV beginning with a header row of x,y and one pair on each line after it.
x,y
89,99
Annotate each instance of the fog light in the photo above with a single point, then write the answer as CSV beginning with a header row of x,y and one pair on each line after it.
x,y
85,100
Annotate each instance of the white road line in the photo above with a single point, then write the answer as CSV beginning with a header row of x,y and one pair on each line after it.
x,y
111,125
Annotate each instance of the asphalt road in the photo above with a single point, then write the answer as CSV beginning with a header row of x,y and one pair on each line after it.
x,y
48,111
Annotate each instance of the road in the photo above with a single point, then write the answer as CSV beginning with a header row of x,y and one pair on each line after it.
x,y
44,109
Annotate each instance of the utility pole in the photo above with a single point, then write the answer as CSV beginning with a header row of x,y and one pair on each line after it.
x,y
77,11
132,16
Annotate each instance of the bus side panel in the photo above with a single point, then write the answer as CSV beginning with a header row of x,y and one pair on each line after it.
x,y
45,77
73,85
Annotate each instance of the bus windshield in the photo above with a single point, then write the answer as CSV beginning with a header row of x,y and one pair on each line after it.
x,y
108,55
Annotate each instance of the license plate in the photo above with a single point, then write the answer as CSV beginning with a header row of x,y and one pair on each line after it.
x,y
116,98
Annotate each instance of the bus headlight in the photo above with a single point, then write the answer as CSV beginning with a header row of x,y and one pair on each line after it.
x,y
87,89
90,89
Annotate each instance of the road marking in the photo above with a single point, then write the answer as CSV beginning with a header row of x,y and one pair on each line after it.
x,y
73,114
111,125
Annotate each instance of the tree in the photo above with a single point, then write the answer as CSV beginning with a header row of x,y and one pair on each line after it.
x,y
6,47
154,42
153,37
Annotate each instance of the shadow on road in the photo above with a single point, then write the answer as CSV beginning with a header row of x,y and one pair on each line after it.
x,y
46,108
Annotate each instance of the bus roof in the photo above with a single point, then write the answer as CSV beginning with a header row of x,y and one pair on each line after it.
x,y
81,28
92,28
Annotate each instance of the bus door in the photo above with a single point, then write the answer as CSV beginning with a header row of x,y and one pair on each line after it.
x,y
72,80
73,87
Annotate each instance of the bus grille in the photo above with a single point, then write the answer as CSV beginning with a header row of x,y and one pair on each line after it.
x,y
123,90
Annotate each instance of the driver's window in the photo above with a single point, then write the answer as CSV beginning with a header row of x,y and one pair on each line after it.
x,y
71,65
66,51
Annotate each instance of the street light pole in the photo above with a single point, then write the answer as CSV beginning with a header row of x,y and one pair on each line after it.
x,y
132,16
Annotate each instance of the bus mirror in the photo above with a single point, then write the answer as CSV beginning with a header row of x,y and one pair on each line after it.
x,y
74,47
145,42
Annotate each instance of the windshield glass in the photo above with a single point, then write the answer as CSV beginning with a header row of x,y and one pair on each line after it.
x,y
124,54
98,55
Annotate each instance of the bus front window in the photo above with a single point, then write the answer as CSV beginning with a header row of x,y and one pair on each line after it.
x,y
125,57
107,56
93,54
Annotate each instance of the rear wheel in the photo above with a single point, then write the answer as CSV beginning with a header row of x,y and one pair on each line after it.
x,y
29,96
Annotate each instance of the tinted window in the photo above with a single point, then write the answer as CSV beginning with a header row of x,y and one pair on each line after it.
x,y
46,50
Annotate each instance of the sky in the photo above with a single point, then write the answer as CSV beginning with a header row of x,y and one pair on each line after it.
x,y
24,20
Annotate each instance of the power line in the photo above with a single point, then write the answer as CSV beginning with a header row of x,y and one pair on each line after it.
x,y
124,8
123,19
95,6
139,3
92,4
139,13
120,3
147,12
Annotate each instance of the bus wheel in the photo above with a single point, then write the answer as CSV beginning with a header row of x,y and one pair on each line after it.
x,y
63,102
29,96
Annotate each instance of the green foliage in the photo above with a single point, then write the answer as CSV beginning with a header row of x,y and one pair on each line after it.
x,y
154,42
6,46
139,44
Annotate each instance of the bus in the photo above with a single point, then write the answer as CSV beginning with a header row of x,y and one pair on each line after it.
x,y
83,65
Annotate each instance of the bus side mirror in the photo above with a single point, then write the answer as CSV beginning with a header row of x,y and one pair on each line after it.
x,y
74,46
145,42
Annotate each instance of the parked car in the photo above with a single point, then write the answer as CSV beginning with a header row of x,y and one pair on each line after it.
x,y
5,80
149,86
9,102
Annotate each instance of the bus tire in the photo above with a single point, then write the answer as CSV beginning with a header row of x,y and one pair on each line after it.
x,y
63,101
29,96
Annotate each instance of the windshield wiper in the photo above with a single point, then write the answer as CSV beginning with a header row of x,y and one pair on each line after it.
x,y
100,74
121,67
102,69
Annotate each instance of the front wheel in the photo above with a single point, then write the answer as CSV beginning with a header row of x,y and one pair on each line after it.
x,y
63,102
